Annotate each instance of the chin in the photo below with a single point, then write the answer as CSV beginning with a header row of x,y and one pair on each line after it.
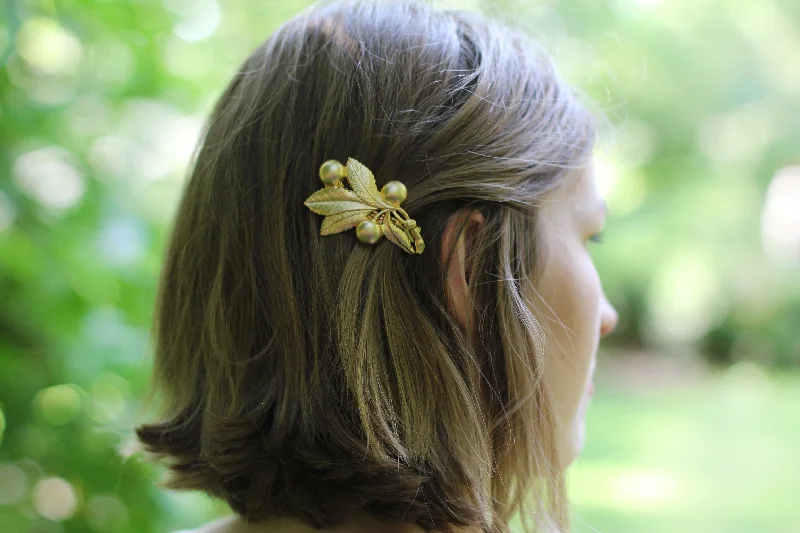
x,y
580,439
572,445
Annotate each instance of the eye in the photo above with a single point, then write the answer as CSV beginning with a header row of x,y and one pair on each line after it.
x,y
597,237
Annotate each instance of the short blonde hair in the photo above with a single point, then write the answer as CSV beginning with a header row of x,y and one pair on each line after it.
x,y
303,375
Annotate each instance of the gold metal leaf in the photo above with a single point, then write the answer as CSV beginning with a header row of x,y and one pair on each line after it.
x,y
396,234
343,221
419,244
362,181
334,200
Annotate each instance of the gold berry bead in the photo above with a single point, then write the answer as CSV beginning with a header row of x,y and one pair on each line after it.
x,y
394,192
331,171
368,232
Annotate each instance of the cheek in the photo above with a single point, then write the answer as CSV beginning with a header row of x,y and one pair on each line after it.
x,y
572,326
580,298
571,291
574,295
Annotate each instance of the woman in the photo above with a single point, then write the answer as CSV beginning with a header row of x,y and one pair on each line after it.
x,y
315,382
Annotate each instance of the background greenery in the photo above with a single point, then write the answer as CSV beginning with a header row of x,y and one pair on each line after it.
x,y
696,424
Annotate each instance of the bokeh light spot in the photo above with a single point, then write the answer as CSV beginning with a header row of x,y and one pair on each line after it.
x,y
685,298
50,175
106,513
186,60
13,484
780,218
48,47
108,398
622,186
38,88
122,241
611,486
644,489
153,141
739,136
59,404
55,498
197,19
89,116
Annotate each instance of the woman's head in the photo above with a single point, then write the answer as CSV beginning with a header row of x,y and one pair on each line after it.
x,y
313,376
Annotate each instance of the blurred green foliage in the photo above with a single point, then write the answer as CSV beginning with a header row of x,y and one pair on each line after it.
x,y
711,455
101,103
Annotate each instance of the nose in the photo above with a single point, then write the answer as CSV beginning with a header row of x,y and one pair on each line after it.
x,y
608,318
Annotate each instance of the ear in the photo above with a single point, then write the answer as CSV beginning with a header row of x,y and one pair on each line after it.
x,y
459,300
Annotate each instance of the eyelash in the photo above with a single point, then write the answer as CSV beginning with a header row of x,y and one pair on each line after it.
x,y
597,237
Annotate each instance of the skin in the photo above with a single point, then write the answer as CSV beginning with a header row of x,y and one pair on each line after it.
x,y
569,301
571,306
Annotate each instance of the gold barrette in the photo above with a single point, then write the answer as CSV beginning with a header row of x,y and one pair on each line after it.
x,y
373,214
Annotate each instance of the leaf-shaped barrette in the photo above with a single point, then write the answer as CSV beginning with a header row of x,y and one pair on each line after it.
x,y
374,214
